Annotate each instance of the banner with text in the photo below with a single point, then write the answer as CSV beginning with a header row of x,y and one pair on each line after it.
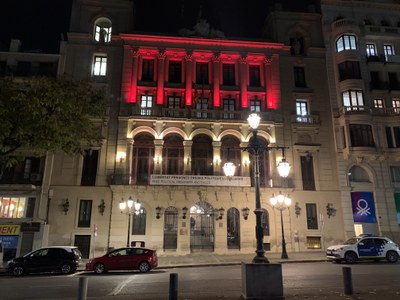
x,y
363,207
199,180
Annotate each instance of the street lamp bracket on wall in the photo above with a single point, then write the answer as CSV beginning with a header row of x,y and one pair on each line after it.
x,y
102,207
65,206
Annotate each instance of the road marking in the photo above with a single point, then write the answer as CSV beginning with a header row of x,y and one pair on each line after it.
x,y
120,286
76,273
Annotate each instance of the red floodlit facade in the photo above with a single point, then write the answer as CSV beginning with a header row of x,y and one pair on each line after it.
x,y
185,67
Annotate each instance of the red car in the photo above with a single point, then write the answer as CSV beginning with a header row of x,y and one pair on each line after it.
x,y
141,259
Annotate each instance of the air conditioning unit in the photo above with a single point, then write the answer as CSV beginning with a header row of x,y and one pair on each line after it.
x,y
34,177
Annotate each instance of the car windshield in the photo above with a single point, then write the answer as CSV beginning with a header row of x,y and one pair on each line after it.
x,y
351,241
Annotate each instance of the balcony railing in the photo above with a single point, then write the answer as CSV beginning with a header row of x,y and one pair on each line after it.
x,y
191,113
308,119
391,111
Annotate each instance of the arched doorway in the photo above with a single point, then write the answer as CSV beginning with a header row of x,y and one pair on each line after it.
x,y
201,227
170,228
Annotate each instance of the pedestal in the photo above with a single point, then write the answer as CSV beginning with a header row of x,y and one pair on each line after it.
x,y
262,281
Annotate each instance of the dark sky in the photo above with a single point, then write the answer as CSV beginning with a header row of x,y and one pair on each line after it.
x,y
40,23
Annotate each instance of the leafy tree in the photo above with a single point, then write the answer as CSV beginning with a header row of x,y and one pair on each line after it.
x,y
47,114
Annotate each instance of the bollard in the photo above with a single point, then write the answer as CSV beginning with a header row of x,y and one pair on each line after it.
x,y
173,286
83,285
347,281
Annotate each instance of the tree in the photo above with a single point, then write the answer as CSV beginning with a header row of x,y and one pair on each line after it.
x,y
42,114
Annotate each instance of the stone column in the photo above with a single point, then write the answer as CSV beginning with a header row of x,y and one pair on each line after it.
x,y
187,146
216,79
268,82
160,76
245,161
243,80
158,149
133,92
216,158
189,78
126,92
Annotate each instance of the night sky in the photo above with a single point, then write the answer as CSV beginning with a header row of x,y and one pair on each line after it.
x,y
39,24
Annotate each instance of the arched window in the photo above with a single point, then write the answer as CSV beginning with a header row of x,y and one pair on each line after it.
x,y
102,30
139,223
358,174
173,155
233,228
142,158
202,155
346,42
263,159
265,222
230,152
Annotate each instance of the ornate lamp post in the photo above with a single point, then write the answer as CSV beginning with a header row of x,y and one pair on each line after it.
x,y
281,202
129,207
256,149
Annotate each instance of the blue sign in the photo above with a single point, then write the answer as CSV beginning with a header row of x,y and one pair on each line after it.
x,y
9,241
363,207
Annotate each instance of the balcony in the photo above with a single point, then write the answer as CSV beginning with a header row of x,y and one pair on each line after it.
x,y
201,114
21,178
306,120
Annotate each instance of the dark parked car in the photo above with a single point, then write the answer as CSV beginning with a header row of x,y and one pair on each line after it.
x,y
63,259
141,259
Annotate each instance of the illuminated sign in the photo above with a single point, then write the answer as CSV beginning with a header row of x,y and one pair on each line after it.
x,y
9,229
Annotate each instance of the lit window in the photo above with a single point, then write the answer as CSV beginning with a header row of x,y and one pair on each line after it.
x,y
371,50
353,100
302,110
388,50
378,103
255,105
102,30
396,105
12,207
146,103
346,42
313,242
100,66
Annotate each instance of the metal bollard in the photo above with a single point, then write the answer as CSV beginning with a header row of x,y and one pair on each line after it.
x,y
173,286
83,286
347,281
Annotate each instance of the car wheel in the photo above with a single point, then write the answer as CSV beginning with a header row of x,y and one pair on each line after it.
x,y
350,257
99,268
18,270
392,257
66,268
144,267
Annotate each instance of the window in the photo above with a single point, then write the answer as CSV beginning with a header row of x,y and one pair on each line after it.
x,y
89,168
254,75
358,174
396,105
139,223
13,207
148,70
395,174
230,152
228,74
175,72
296,46
388,50
146,104
371,49
302,111
233,228
307,172
313,242
202,73
393,136
173,155
102,30
202,107
378,103
229,105
299,77
202,155
361,135
85,213
142,158
346,42
353,100
100,66
311,212
264,164
255,105
174,104
349,70
393,82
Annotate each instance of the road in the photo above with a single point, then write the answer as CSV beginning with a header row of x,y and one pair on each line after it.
x,y
301,281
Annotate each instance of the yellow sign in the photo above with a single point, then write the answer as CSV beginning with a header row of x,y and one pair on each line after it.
x,y
9,229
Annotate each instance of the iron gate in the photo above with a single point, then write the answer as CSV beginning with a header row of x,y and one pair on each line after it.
x,y
201,227
171,228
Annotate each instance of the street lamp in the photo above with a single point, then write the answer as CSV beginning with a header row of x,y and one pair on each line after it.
x,y
129,207
281,202
254,147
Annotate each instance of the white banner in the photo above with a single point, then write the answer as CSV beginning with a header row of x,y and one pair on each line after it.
x,y
199,180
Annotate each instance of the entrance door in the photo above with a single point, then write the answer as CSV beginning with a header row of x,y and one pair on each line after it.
x,y
83,244
201,227
171,228
233,228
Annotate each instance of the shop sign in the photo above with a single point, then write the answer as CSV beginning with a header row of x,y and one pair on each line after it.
x,y
363,207
30,227
9,241
198,180
9,229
